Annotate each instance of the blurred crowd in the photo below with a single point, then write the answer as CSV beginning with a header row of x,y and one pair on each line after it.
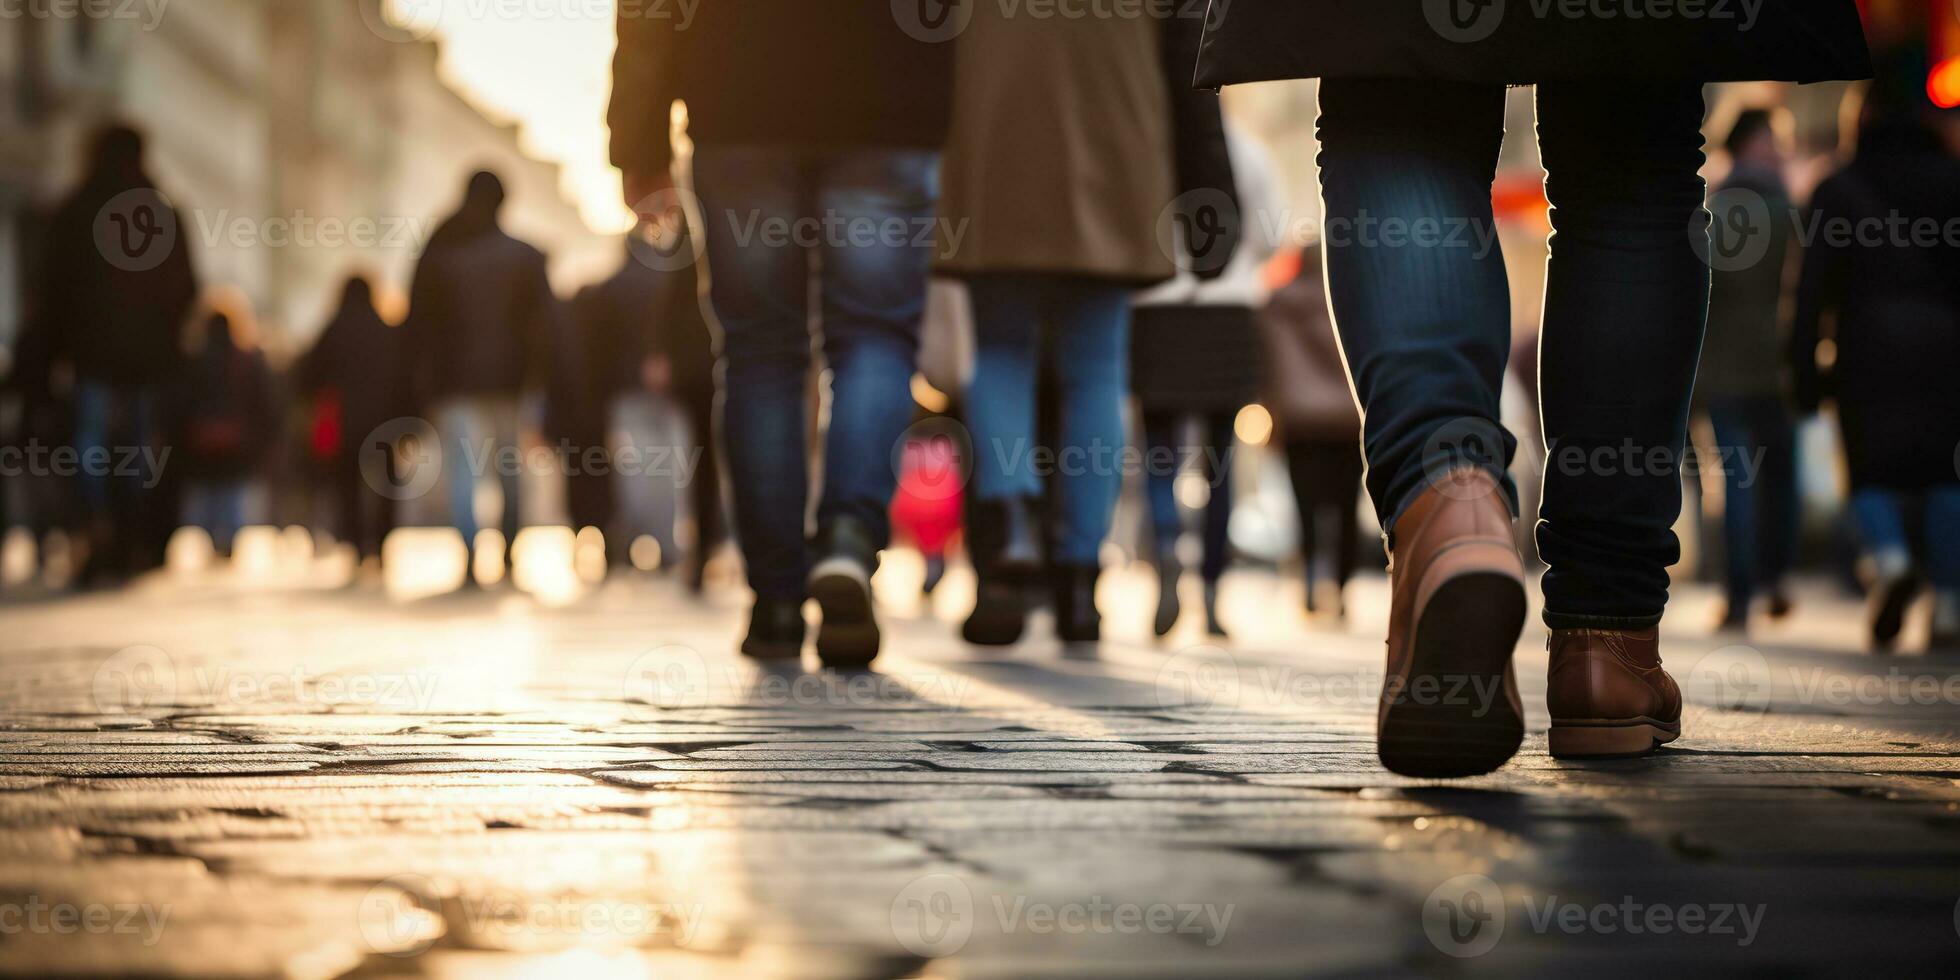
x,y
1062,326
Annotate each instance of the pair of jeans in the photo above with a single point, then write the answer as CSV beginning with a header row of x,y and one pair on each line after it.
x,y
1326,484
481,432
1082,327
1757,439
1885,518
114,425
1422,304
217,506
1164,452
860,220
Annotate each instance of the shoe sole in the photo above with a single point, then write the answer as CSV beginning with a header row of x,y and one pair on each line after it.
x,y
1464,640
848,635
1628,738
760,650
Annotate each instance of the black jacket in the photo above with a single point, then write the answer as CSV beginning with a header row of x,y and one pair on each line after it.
x,y
117,282
357,361
801,72
1524,42
1882,279
480,309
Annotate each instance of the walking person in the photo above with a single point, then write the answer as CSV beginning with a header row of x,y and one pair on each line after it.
x,y
795,180
1411,121
1315,420
354,377
117,288
1890,306
224,422
479,337
1071,139
1743,383
1194,361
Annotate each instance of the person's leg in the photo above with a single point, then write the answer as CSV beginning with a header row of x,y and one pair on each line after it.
x,y
1625,303
705,492
1421,301
1007,315
1160,434
1424,320
1741,450
463,435
504,413
1782,509
1343,474
1881,517
874,301
1943,564
1219,448
1091,328
760,294
1306,496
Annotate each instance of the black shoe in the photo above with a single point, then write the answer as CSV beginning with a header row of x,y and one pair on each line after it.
x,y
1006,546
1076,618
935,573
1168,609
840,581
1212,625
1890,600
775,629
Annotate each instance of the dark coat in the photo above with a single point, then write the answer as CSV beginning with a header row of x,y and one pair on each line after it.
x,y
222,408
117,283
838,73
358,363
1524,42
480,309
1896,306
1742,354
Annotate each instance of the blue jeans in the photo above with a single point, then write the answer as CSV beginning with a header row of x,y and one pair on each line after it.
x,y
1883,520
217,506
1421,301
98,409
774,215
482,432
1758,440
1087,325
1163,444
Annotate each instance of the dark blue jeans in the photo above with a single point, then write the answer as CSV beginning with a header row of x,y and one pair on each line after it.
x,y
1758,441
1086,323
860,221
1163,442
1423,309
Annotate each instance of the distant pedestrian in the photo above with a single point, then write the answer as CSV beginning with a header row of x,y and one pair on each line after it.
x,y
1306,389
116,287
1194,360
222,409
1743,384
1072,139
479,337
816,131
355,378
1890,307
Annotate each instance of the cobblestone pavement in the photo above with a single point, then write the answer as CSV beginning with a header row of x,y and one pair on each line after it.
x,y
210,778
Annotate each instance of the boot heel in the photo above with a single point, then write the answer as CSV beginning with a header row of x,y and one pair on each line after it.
x,y
1609,740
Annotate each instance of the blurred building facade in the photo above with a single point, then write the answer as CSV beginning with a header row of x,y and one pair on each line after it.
x,y
301,139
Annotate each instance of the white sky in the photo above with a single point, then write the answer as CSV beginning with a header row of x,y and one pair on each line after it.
x,y
545,63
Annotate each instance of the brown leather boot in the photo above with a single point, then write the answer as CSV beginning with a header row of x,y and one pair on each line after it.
x,y
1608,695
1450,701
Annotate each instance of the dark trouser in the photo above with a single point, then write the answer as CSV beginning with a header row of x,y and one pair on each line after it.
x,y
1758,442
697,402
1420,298
1164,454
366,517
774,215
1326,478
